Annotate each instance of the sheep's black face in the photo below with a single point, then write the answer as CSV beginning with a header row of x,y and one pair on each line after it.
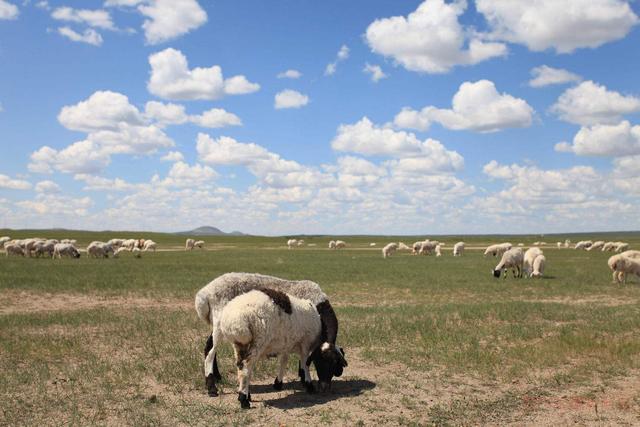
x,y
496,273
329,362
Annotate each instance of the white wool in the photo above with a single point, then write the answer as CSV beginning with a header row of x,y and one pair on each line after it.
x,y
340,244
189,244
529,256
538,266
458,249
13,249
583,244
621,265
291,243
332,244
596,245
149,245
65,249
389,249
497,249
403,247
511,259
199,244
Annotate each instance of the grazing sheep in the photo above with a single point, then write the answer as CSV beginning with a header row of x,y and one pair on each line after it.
x,y
609,246
120,250
438,252
403,247
497,249
29,245
99,250
136,252
211,299
538,266
427,247
529,256
416,247
266,322
65,249
458,249
292,243
388,250
199,244
332,244
3,240
189,245
621,246
43,248
511,259
115,243
559,244
567,242
13,249
340,244
621,265
130,243
300,242
596,245
149,245
583,244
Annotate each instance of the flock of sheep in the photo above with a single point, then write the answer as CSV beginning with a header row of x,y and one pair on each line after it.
x,y
53,248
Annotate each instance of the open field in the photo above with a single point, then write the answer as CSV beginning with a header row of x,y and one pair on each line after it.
x,y
429,340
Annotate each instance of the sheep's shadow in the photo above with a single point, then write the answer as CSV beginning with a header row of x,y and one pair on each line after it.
x,y
302,399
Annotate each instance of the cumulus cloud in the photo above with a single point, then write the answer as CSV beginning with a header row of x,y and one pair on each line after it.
x,y
431,39
55,206
9,183
216,118
166,114
342,55
376,72
88,36
97,18
617,140
290,74
290,99
182,174
172,156
477,106
47,186
8,10
562,25
590,103
545,76
172,79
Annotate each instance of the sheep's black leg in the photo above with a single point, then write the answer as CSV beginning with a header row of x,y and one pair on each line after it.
x,y
300,372
211,379
216,372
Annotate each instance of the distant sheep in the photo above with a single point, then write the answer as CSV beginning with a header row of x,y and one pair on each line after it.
x,y
529,256
438,252
388,250
45,248
403,247
13,249
609,246
340,244
497,249
623,265
538,266
596,245
458,249
199,244
292,243
332,244
66,250
3,240
621,246
511,259
149,245
559,244
99,250
190,243
372,244
583,244
427,247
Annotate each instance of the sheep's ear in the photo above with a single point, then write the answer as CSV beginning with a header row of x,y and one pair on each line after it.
x,y
341,358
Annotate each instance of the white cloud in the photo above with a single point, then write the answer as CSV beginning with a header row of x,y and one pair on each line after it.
x,y
617,140
431,39
97,18
290,99
171,78
55,205
563,25
166,114
477,106
168,19
216,118
102,110
8,10
342,55
367,139
98,183
13,184
48,187
376,72
545,76
290,74
43,4
89,36
227,151
172,156
590,103
183,175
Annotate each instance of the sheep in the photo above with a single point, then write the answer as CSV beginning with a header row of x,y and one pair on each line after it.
x,y
529,256
13,249
65,249
511,259
621,265
538,266
140,243
29,245
137,252
300,242
189,245
458,249
403,247
46,247
621,246
609,246
497,249
596,245
149,245
388,250
332,244
211,299
99,250
438,252
292,243
371,245
427,247
340,244
583,244
3,240
416,247
567,242
120,250
559,244
631,254
199,244
266,322
116,243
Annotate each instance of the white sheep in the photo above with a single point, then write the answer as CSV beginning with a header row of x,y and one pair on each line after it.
x,y
189,245
497,249
292,243
538,266
596,245
371,245
567,242
120,250
427,247
149,245
3,240
13,249
529,256
199,244
438,252
622,265
340,244
115,243
458,249
609,246
301,242
136,252
416,247
98,249
212,298
511,259
403,247
583,244
618,275
266,322
332,244
389,249
65,249
621,246
559,244
46,247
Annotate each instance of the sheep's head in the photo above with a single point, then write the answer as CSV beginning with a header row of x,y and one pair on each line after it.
x,y
496,273
329,362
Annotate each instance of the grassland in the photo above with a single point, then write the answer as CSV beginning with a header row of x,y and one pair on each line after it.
x,y
429,340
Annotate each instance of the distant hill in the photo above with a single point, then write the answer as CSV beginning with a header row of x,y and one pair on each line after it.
x,y
210,231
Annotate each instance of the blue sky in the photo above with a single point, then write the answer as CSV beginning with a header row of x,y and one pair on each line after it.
x,y
333,117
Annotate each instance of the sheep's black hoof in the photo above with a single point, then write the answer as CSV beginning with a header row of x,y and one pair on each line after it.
x,y
309,387
277,385
212,390
301,374
244,401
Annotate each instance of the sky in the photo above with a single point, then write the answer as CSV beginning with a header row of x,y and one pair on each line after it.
x,y
306,117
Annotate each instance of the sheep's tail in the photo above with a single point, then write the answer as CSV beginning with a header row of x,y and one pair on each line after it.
x,y
202,307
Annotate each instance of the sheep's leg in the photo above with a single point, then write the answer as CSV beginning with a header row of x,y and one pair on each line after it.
x,y
244,363
308,385
210,362
300,372
283,359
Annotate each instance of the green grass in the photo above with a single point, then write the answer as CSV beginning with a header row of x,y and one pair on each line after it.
x,y
431,315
